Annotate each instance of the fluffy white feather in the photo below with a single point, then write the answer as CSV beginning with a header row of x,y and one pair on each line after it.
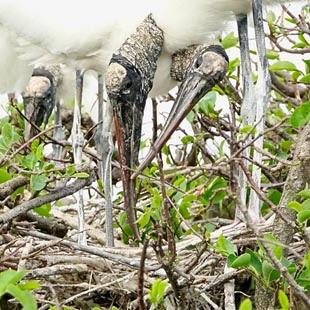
x,y
14,73
84,34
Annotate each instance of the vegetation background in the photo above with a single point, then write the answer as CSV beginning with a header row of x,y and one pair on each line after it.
x,y
192,254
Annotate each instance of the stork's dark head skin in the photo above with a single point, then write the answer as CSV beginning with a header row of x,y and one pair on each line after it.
x,y
39,100
207,69
127,94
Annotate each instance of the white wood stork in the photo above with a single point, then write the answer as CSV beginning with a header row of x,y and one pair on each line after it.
x,y
84,35
128,85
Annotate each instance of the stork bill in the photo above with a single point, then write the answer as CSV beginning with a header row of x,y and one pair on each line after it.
x,y
208,68
129,81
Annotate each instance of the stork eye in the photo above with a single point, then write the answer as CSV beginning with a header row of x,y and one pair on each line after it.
x,y
198,62
128,84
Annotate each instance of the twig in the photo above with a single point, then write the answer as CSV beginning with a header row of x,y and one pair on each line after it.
x,y
98,287
24,145
98,251
55,195
141,276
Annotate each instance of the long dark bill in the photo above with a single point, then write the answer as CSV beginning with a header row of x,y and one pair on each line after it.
x,y
208,68
128,115
129,79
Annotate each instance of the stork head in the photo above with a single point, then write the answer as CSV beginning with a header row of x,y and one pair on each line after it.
x,y
128,80
127,94
39,100
208,67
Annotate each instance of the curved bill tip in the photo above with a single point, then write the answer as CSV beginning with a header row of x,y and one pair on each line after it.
x,y
208,68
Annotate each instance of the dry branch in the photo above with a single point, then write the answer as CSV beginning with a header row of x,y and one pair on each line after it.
x,y
53,196
8,187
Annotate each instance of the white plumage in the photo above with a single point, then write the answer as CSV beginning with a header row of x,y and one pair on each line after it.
x,y
84,34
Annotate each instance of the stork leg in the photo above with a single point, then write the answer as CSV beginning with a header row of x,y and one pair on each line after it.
x,y
104,145
58,132
77,143
248,105
263,92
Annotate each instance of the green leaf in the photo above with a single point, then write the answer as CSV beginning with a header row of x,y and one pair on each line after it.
x,y
80,175
39,152
229,41
24,297
190,116
267,270
272,54
4,176
157,291
303,216
10,276
210,227
225,246
185,204
241,261
307,65
283,300
271,18
304,193
301,115
247,129
305,79
38,182
144,219
216,183
233,64
256,264
283,65
188,139
29,161
207,103
30,285
156,199
306,260
296,206
246,304
303,279
70,170
276,249
295,75
44,210
9,134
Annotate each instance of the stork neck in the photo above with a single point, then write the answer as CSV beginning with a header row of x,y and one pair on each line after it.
x,y
142,49
183,59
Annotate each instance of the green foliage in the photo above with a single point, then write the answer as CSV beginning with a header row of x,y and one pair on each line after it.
x,y
229,41
225,246
246,304
11,283
38,182
157,292
283,300
301,115
302,208
303,277
283,65
8,137
241,261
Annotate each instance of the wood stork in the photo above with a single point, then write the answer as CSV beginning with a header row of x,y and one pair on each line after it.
x,y
131,72
84,35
